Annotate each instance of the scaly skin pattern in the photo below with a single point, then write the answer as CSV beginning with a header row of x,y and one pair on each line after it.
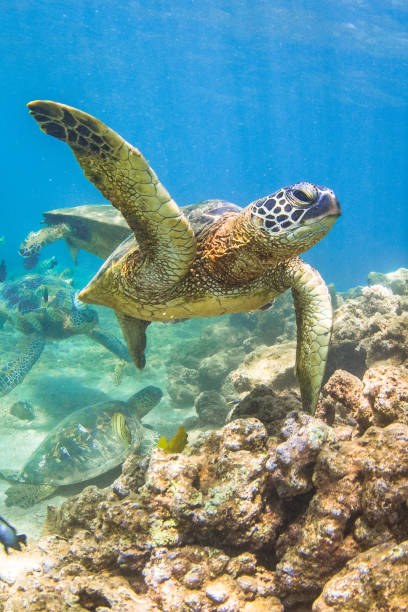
x,y
124,177
14,372
238,263
36,241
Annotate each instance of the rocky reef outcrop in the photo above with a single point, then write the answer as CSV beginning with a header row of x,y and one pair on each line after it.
x,y
275,510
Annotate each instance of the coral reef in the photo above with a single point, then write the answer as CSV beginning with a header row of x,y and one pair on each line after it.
x,y
276,510
374,580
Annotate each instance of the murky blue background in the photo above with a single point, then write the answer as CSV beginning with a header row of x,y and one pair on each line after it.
x,y
229,99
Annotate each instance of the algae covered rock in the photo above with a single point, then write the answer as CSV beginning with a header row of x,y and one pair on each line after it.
x,y
222,484
207,579
267,405
396,281
290,464
211,408
374,581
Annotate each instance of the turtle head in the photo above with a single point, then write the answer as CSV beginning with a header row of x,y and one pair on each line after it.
x,y
144,400
295,217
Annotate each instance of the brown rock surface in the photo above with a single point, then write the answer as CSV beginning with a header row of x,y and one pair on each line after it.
x,y
360,500
374,581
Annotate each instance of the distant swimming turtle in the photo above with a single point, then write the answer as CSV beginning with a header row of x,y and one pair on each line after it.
x,y
97,229
84,445
45,307
236,263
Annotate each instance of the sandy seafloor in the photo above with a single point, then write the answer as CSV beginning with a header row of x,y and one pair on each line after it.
x,y
69,375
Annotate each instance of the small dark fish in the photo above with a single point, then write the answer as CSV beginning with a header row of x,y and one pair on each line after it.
x,y
9,537
3,271
45,294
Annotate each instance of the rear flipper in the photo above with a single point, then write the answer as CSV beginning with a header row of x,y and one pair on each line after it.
x,y
14,372
134,332
110,342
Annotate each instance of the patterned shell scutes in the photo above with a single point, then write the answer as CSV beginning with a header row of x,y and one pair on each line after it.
x,y
83,446
207,212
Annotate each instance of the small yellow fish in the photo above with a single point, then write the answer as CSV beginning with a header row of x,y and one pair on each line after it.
x,y
121,428
176,444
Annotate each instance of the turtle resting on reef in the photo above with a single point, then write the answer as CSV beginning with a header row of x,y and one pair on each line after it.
x,y
165,270
45,307
84,445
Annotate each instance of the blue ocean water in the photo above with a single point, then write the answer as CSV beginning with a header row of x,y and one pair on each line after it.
x,y
229,99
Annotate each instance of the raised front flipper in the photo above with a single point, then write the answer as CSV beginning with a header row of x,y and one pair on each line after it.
x,y
314,324
125,178
110,342
31,247
134,332
14,372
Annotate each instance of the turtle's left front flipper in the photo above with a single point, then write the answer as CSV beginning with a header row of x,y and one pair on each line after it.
x,y
125,178
314,319
14,372
110,342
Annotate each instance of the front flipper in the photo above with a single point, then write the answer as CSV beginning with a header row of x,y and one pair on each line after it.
x,y
314,319
124,177
10,475
314,324
14,372
110,342
31,247
26,495
134,332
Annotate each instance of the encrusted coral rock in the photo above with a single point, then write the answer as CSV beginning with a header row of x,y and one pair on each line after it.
x,y
211,408
223,485
386,389
182,385
206,579
265,404
267,365
361,501
290,464
374,581
396,281
344,403
380,398
368,329
213,369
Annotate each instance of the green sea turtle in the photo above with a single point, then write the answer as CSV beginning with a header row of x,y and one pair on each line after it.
x,y
239,262
98,229
45,307
84,445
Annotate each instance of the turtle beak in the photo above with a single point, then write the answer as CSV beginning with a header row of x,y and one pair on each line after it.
x,y
327,206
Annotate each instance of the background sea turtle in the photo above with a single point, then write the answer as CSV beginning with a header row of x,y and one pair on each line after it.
x,y
97,229
45,307
238,263
86,444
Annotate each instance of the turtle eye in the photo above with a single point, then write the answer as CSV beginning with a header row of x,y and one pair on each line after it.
x,y
301,195
305,194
